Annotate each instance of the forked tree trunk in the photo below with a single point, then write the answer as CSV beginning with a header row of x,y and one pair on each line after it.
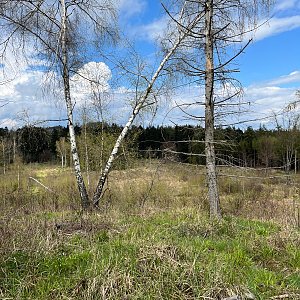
x,y
100,186
66,81
213,193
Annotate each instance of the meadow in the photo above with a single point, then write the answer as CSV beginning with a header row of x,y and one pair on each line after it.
x,y
151,237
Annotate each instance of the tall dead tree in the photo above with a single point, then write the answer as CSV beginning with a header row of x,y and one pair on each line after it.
x,y
56,31
206,58
214,201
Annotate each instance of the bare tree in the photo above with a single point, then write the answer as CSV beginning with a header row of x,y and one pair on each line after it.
x,y
209,113
92,81
287,123
3,155
57,31
206,58
143,99
62,150
52,27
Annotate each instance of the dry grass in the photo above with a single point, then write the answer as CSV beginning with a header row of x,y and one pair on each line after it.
x,y
152,186
151,238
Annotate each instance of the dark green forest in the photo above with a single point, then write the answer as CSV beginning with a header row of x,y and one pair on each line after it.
x,y
261,147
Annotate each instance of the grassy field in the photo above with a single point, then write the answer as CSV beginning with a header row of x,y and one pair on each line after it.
x,y
151,238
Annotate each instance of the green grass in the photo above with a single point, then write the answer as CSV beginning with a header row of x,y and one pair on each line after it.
x,y
178,254
151,239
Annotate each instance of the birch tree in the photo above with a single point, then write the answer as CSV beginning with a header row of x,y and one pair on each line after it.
x,y
287,124
52,27
62,151
142,101
90,85
58,31
206,58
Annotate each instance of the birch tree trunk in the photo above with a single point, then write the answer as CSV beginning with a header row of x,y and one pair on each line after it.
x,y
14,148
295,161
3,152
87,160
211,176
66,81
99,189
99,110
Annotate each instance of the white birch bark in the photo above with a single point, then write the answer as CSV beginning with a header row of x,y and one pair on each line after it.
x,y
213,193
3,152
14,148
99,189
87,160
66,81
295,162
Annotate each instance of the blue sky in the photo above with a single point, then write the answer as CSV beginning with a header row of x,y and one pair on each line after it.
x,y
271,57
274,52
269,69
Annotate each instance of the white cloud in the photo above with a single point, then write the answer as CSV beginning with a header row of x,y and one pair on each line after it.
x,y
267,102
293,77
91,79
152,31
130,8
270,97
265,98
285,4
275,26
156,29
9,123
27,99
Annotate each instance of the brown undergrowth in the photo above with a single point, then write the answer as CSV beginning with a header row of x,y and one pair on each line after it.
x,y
151,237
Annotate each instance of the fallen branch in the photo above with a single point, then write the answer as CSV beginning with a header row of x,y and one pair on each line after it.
x,y
45,187
254,177
235,297
286,296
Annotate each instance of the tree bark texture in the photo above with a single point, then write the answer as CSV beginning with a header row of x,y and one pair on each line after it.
x,y
66,81
213,193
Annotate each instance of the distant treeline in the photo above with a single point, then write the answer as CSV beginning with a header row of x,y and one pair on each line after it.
x,y
248,148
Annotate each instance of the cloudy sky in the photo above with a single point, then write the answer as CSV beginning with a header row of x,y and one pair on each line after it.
x,y
269,70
